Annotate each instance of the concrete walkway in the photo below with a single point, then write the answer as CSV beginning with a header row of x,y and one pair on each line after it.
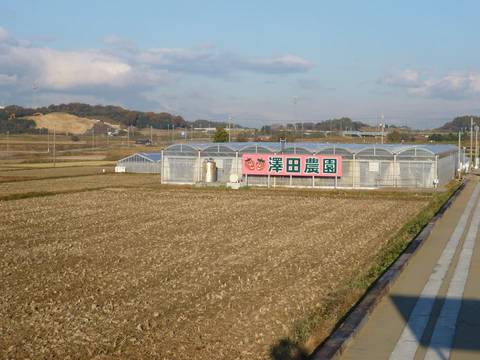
x,y
433,309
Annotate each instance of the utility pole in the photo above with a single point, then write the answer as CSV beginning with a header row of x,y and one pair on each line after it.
x,y
151,135
173,133
471,143
382,125
476,146
54,148
229,128
295,99
34,88
128,136
459,152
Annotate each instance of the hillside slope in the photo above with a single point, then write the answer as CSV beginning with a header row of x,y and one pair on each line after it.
x,y
460,122
109,113
63,122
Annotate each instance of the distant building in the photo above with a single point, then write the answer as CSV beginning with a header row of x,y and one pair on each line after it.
x,y
354,133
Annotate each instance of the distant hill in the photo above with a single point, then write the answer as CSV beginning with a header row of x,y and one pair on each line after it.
x,y
339,124
460,122
15,126
63,122
113,115
201,123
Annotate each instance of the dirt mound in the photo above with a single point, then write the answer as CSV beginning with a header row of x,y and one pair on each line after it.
x,y
63,123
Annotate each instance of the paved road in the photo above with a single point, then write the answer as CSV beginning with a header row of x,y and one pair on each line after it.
x,y
433,310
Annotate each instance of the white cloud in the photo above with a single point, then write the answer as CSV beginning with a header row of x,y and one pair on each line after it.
x,y
206,61
451,86
66,70
63,70
279,64
118,42
403,78
121,68
3,34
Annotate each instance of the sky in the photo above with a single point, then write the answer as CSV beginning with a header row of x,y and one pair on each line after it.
x,y
415,62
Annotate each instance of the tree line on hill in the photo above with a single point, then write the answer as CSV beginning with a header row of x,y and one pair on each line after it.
x,y
110,113
164,120
339,124
202,123
16,126
460,123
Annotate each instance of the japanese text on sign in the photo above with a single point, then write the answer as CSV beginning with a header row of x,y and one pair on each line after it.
x,y
291,164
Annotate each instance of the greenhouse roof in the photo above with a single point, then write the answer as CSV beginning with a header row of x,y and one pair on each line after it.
x,y
310,147
153,157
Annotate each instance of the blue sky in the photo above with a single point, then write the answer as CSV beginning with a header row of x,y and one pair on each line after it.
x,y
415,62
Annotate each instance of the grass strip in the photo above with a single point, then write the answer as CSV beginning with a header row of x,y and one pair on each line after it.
x,y
35,194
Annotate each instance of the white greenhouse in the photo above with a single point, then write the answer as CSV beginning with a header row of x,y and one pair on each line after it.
x,y
361,165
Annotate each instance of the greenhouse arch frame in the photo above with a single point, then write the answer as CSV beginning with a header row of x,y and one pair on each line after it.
x,y
364,165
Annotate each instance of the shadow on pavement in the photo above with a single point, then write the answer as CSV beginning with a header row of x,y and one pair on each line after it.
x,y
467,332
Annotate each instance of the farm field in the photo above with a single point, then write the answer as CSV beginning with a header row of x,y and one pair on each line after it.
x,y
73,184
154,272
63,164
16,174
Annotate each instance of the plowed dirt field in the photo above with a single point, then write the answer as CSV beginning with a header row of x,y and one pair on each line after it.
x,y
177,273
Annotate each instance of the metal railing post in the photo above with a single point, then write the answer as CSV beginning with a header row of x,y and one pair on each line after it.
x,y
162,169
395,170
199,166
236,164
354,170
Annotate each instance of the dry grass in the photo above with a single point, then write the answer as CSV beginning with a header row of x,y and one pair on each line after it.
x,y
177,273
64,122
63,164
15,174
65,183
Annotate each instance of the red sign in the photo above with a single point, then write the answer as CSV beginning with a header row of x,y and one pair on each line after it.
x,y
292,165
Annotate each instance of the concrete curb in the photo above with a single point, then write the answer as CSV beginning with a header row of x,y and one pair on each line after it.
x,y
343,335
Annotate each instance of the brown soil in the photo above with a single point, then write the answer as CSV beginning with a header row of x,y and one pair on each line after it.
x,y
165,273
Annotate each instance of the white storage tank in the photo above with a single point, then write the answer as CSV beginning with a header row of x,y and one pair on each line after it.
x,y
210,171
